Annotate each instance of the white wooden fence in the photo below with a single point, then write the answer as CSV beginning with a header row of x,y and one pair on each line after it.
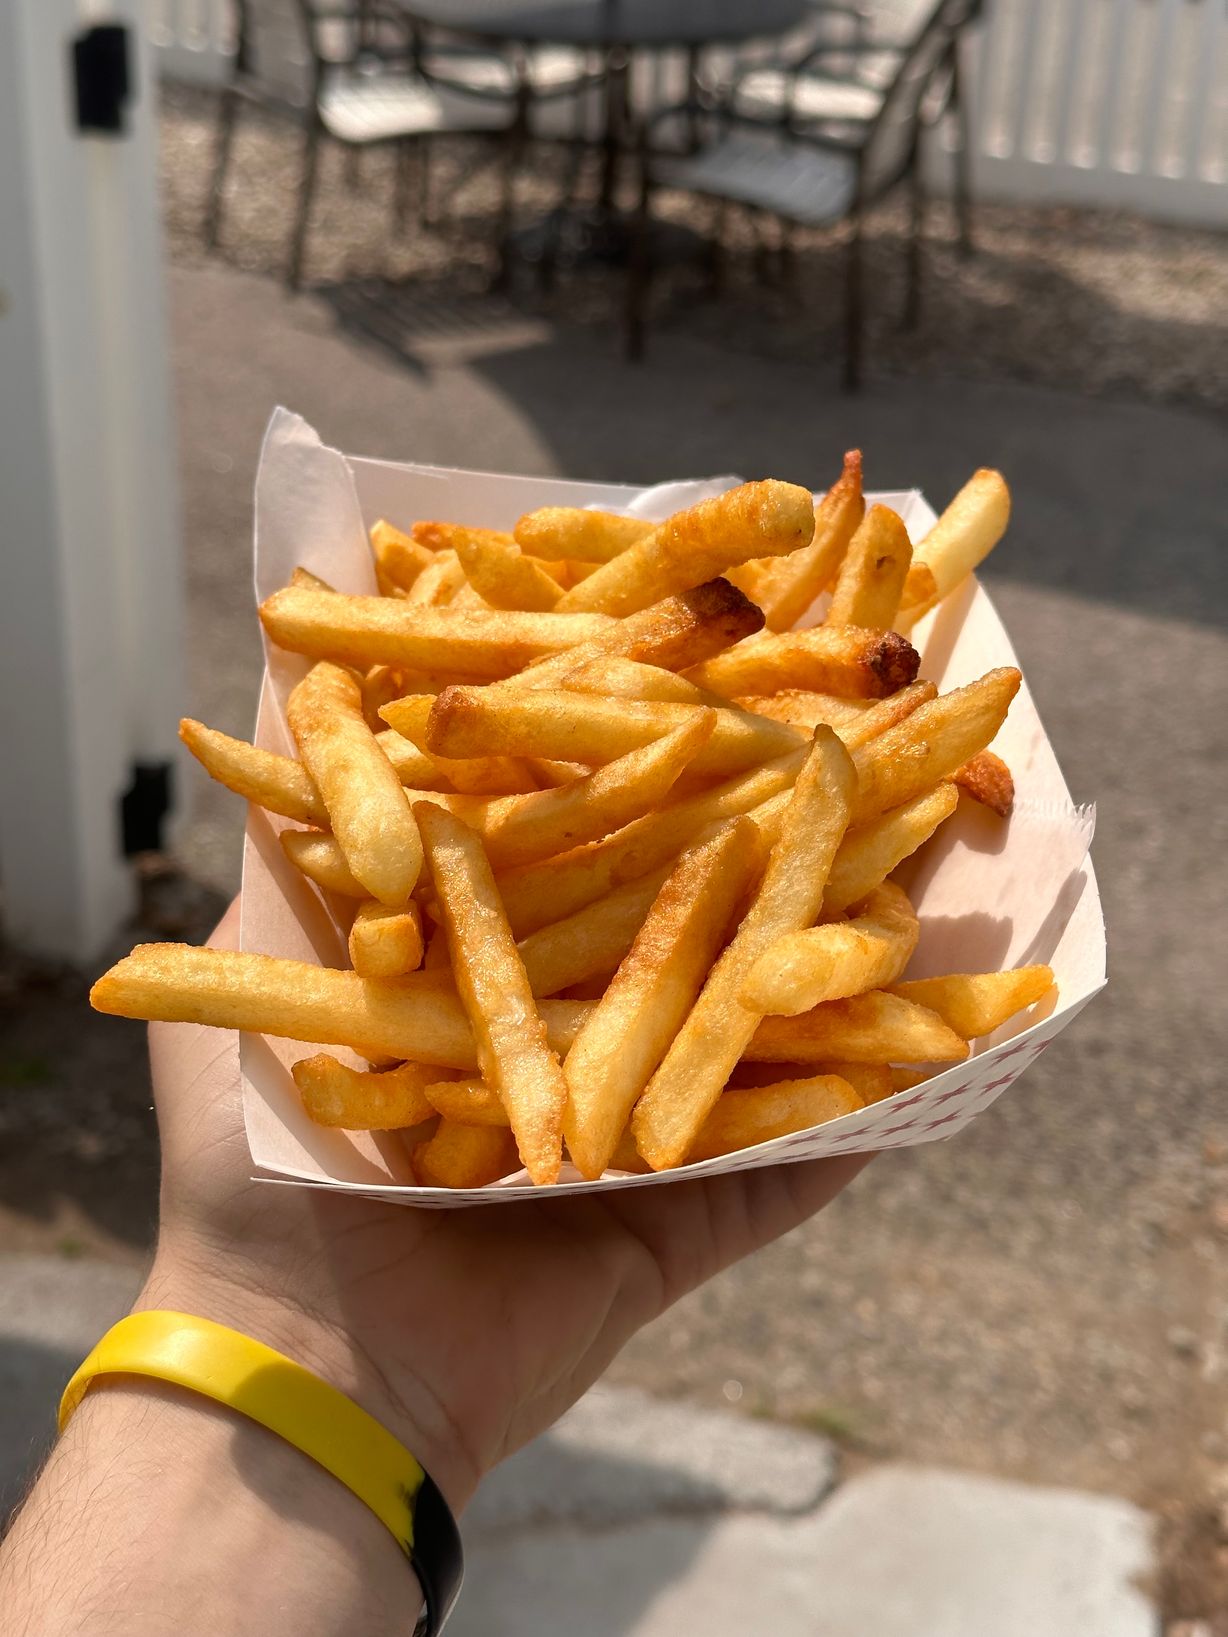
x,y
1115,103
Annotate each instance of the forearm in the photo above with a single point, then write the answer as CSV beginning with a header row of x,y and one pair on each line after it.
x,y
160,1510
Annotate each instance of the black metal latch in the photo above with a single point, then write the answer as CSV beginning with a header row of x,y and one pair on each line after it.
x,y
102,74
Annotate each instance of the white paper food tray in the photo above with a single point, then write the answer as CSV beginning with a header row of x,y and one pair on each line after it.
x,y
989,893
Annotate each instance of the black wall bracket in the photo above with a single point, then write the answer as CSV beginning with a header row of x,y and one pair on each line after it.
x,y
102,75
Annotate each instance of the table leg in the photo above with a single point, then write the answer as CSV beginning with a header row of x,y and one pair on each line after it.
x,y
617,112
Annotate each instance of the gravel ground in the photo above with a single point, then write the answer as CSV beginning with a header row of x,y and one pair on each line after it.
x,y
1094,303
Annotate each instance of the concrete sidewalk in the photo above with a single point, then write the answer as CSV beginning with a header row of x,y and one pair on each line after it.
x,y
634,1518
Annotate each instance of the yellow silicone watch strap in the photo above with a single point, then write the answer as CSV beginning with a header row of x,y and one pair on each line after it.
x,y
269,1388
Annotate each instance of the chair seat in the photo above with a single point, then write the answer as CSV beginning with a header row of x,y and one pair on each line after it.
x,y
551,68
770,91
361,108
807,184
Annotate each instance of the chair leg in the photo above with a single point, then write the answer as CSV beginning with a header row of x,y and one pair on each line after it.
x,y
227,119
307,183
426,215
515,145
403,159
916,188
958,107
853,315
716,249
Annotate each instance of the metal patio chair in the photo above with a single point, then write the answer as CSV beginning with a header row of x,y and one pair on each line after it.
x,y
351,74
805,174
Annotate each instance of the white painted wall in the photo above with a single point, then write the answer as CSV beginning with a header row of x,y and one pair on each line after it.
x,y
90,616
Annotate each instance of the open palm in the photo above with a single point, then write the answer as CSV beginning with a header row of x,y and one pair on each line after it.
x,y
466,1331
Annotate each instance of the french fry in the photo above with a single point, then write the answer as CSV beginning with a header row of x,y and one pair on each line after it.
x,y
467,1102
841,659
402,1018
873,1082
616,678
379,685
786,586
742,1118
550,774
312,582
437,958
508,1031
443,536
573,531
930,743
366,805
803,708
700,1058
502,576
579,727
475,775
593,941
384,943
387,630
868,856
652,992
882,714
438,583
277,783
464,1156
870,1028
959,541
673,634
820,963
987,779
364,1099
541,892
523,829
413,767
321,860
871,580
763,519
976,1003
904,1078
399,560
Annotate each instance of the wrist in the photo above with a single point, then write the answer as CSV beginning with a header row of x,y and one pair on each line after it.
x,y
413,1412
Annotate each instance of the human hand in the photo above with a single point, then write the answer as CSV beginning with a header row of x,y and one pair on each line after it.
x,y
466,1332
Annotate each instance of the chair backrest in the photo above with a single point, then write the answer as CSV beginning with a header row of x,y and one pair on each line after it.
x,y
892,138
284,46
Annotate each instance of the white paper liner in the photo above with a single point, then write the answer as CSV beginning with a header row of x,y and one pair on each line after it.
x,y
989,893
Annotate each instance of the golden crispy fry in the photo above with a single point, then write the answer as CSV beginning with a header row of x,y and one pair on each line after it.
x,y
742,1118
868,856
673,634
962,538
803,708
763,519
987,779
976,1003
387,630
464,1156
398,559
786,586
616,678
363,1100
904,1079
590,943
652,992
870,1028
561,886
370,816
321,860
380,684
522,829
467,1102
407,1017
573,531
840,659
502,576
930,743
312,582
476,775
550,774
438,583
885,713
385,942
442,536
278,783
872,1082
867,592
579,727
508,1030
701,1057
841,958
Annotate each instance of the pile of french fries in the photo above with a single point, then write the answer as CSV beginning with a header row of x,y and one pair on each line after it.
x,y
613,840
